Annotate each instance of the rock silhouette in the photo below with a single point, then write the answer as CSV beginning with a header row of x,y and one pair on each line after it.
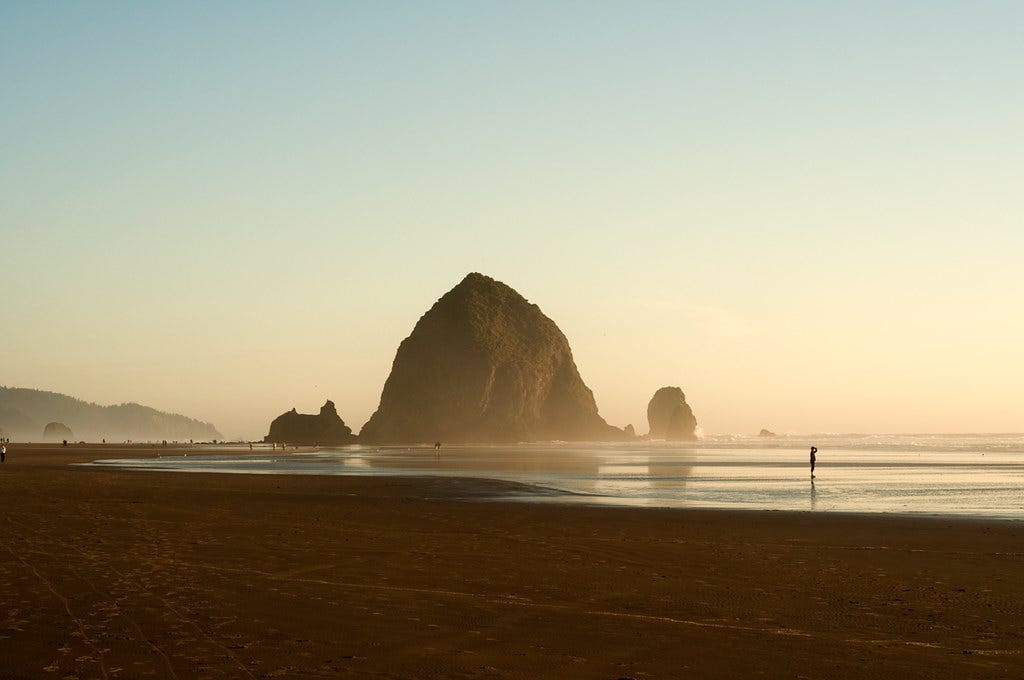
x,y
326,428
55,432
670,417
485,365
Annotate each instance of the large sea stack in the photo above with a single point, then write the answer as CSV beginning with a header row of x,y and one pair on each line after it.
x,y
327,427
485,365
670,417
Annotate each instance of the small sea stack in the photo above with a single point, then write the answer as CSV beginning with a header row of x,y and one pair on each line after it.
x,y
670,417
55,432
304,429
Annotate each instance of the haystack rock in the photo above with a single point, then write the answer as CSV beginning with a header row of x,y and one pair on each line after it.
x,y
669,416
300,428
55,432
485,365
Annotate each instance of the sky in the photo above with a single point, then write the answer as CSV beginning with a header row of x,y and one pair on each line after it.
x,y
807,215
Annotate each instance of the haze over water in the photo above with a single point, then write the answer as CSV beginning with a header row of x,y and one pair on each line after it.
x,y
968,475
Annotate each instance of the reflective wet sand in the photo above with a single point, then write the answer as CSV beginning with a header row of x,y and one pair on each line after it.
x,y
937,479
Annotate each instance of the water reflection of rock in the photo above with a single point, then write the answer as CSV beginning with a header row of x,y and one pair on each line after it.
x,y
638,474
585,470
674,475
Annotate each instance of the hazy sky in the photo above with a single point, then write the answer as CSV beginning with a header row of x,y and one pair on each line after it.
x,y
808,215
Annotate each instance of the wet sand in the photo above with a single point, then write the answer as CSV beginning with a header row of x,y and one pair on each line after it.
x,y
116,574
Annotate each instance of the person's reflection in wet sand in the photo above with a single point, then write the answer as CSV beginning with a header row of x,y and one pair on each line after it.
x,y
814,497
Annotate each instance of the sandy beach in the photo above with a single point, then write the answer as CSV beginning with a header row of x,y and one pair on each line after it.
x,y
116,574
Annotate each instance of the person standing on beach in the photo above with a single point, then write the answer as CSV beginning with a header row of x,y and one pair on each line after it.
x,y
3,453
814,450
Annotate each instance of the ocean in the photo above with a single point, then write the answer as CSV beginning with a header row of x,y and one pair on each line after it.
x,y
919,474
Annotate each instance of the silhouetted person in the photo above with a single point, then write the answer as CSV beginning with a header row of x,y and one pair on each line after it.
x,y
3,453
65,442
437,446
814,450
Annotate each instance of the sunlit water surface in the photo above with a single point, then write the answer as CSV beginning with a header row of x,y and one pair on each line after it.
x,y
974,475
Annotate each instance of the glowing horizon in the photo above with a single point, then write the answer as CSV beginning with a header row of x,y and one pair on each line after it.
x,y
807,218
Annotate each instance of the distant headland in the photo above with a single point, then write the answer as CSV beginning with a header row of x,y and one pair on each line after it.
x,y
25,415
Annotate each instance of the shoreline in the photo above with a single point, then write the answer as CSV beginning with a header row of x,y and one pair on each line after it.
x,y
499,491
503,490
115,574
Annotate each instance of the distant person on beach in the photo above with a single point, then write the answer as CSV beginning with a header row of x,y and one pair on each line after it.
x,y
814,450
3,453
437,446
